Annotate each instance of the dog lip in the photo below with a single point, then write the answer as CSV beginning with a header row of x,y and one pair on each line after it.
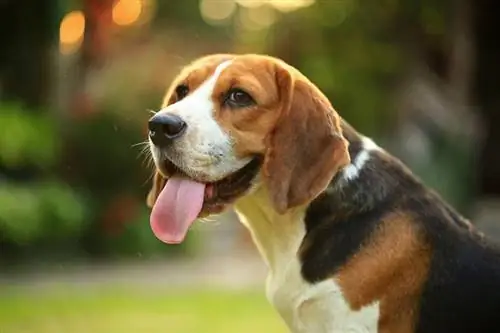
x,y
223,192
236,183
168,168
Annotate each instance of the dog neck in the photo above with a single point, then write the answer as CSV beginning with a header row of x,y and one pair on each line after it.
x,y
276,236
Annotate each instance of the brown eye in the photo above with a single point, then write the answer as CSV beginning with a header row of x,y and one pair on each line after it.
x,y
181,91
238,98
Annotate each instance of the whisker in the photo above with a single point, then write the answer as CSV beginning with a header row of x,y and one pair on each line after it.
x,y
140,143
150,163
209,219
147,160
144,150
152,111
146,157
149,178
144,154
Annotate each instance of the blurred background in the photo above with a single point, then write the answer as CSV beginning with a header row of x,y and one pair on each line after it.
x,y
78,77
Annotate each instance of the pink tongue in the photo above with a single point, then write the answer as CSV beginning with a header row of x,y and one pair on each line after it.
x,y
176,208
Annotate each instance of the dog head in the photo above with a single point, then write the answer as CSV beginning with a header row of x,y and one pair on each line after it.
x,y
230,122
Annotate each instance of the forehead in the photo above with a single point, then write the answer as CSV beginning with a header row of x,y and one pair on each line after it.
x,y
252,73
199,71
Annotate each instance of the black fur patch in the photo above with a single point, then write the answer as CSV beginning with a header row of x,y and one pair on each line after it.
x,y
462,293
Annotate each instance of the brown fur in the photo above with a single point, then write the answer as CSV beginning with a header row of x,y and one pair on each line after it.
x,y
158,184
392,269
194,74
249,126
306,148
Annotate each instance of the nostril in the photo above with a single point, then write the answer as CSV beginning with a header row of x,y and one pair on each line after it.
x,y
173,129
163,128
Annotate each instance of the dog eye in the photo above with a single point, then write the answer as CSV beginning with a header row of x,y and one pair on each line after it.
x,y
181,91
238,98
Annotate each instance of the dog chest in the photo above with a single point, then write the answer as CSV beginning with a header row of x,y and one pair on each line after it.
x,y
317,308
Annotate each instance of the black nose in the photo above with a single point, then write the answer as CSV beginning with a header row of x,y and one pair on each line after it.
x,y
163,128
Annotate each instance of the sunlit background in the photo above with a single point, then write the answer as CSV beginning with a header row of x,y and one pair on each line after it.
x,y
78,77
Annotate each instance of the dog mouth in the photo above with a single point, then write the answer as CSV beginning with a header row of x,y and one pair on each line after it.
x,y
184,199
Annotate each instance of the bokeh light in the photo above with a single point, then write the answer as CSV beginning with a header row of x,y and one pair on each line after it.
x,y
127,12
216,11
71,31
251,3
257,18
290,5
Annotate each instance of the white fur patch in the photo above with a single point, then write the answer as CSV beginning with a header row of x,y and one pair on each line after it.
x,y
352,171
305,307
205,151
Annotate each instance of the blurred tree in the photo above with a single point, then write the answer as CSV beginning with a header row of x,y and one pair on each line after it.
x,y
25,60
486,86
37,209
27,30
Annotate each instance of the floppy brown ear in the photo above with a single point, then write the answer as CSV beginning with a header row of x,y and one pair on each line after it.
x,y
306,148
158,184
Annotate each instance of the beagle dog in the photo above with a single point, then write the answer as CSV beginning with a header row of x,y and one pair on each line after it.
x,y
353,241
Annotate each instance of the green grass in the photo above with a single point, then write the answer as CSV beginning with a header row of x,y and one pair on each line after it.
x,y
121,310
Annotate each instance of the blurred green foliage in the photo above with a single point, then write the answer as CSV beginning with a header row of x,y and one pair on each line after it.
x,y
90,183
49,209
36,211
27,137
